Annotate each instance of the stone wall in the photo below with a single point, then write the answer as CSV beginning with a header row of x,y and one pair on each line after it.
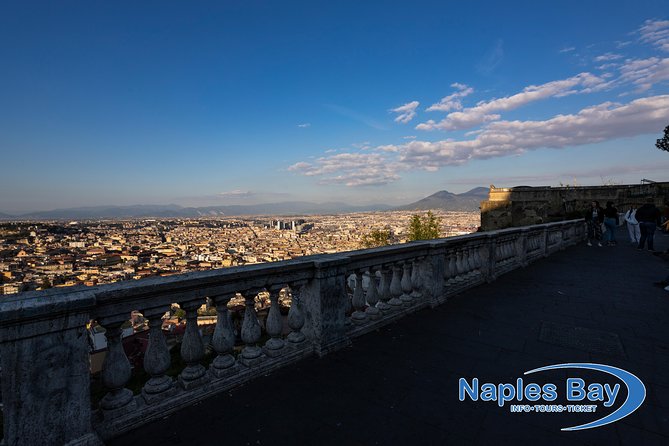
x,y
524,205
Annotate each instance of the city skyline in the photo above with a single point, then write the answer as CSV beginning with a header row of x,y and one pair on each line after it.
x,y
122,104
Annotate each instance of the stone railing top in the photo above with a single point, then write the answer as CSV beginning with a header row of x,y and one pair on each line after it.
x,y
119,298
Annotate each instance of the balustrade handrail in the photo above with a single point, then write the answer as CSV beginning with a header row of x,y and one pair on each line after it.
x,y
43,339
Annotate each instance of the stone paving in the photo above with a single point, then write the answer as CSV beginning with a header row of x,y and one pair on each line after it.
x,y
399,385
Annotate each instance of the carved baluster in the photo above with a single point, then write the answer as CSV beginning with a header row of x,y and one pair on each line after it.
x,y
477,261
406,284
416,280
295,315
452,268
447,270
251,331
385,295
192,350
471,262
359,316
116,373
396,287
223,340
274,325
460,267
372,296
156,361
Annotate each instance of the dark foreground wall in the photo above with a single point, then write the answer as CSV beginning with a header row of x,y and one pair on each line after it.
x,y
524,205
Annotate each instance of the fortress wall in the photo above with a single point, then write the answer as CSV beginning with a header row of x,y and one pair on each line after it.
x,y
525,205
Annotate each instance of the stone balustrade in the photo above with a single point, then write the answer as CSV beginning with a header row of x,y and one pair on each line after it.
x,y
44,349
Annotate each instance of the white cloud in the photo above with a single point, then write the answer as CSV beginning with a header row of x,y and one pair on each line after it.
x,y
603,122
567,49
406,112
452,101
304,125
656,32
483,112
608,57
644,73
350,169
592,124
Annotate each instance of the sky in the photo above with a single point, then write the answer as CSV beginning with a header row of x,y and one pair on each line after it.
x,y
232,102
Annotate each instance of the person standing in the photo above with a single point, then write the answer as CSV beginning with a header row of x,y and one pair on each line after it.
x,y
611,223
594,217
632,225
648,217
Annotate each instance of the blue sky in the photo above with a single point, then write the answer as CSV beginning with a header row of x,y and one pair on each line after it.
x,y
201,103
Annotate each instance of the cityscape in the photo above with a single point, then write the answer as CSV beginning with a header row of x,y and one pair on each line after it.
x,y
37,255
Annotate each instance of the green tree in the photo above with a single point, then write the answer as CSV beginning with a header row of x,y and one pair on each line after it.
x,y
663,143
424,228
376,238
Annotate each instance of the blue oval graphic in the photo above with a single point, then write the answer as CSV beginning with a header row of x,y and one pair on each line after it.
x,y
636,391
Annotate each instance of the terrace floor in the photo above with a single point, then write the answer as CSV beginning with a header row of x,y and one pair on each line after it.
x,y
399,385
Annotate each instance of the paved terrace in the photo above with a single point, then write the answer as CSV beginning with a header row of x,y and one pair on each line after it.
x,y
399,384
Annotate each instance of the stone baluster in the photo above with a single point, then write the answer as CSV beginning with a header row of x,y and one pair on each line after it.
x,y
452,268
251,331
447,270
416,280
471,262
406,284
396,287
116,373
359,316
385,295
295,315
192,350
465,264
274,326
223,340
157,360
459,266
478,263
372,296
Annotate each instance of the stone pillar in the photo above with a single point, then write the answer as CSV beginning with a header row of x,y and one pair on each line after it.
x,y
44,348
396,286
274,325
251,331
434,273
223,339
324,304
295,315
384,290
372,296
157,360
192,350
359,316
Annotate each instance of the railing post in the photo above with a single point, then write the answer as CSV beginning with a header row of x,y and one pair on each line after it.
x,y
433,274
324,304
44,348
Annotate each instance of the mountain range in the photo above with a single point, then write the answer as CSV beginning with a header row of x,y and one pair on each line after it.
x,y
444,200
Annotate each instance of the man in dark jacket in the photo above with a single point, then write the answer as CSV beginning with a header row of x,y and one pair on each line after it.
x,y
594,217
648,217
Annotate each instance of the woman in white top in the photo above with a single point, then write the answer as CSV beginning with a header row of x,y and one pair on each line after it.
x,y
632,225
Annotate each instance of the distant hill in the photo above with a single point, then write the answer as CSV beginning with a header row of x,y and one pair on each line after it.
x,y
448,201
468,201
176,211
